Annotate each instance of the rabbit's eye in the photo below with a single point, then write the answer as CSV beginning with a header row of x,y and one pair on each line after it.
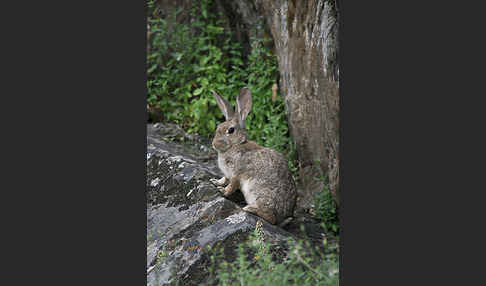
x,y
231,130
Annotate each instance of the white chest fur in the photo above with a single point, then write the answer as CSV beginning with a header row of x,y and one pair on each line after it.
x,y
246,188
224,168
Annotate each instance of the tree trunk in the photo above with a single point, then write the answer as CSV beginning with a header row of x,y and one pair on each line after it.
x,y
305,35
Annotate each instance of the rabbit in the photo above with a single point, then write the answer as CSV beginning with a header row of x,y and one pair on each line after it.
x,y
262,174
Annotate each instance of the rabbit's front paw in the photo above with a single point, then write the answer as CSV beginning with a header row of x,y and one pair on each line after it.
x,y
219,182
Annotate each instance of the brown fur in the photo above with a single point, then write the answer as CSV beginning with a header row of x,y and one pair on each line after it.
x,y
262,174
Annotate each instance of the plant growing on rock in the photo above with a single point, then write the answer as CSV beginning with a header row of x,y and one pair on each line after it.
x,y
258,262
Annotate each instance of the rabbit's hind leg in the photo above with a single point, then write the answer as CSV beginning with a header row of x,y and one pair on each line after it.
x,y
263,213
250,209
267,215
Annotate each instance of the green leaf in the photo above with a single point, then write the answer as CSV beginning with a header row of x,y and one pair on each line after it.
x,y
204,60
152,68
204,82
212,125
198,91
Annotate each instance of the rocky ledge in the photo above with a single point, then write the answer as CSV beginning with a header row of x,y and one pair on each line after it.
x,y
186,213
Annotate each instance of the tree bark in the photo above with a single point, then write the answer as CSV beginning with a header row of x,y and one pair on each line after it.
x,y
306,43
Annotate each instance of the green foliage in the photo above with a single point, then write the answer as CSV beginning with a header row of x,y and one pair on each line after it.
x,y
161,256
266,123
187,61
256,264
183,67
326,208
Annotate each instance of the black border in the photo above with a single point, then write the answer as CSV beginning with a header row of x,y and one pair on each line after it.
x,y
75,161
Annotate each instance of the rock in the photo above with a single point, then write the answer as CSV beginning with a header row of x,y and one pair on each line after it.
x,y
185,212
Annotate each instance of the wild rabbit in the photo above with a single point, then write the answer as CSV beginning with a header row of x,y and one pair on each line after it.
x,y
262,174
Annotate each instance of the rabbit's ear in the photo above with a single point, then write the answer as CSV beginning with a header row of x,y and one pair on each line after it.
x,y
224,105
243,105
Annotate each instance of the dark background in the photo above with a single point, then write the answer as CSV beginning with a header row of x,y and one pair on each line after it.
x,y
74,117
